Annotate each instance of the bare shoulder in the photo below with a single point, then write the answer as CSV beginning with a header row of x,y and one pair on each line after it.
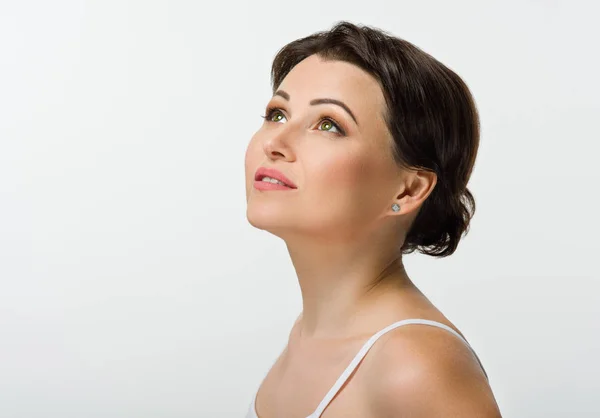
x,y
425,371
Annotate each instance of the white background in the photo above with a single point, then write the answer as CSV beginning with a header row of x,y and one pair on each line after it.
x,y
132,285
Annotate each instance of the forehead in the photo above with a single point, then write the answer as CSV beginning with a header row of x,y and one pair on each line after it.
x,y
314,78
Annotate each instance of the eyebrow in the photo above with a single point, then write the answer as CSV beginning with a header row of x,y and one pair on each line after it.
x,y
313,102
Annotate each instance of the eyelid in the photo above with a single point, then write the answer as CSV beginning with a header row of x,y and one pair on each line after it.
x,y
323,116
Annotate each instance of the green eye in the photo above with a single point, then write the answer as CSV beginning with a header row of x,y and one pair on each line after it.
x,y
326,125
326,122
269,114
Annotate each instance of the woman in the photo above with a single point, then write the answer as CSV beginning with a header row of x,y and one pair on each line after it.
x,y
365,153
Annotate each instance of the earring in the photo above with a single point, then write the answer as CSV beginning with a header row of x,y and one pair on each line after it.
x,y
395,207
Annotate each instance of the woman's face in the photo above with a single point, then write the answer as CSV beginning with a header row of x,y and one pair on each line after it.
x,y
342,165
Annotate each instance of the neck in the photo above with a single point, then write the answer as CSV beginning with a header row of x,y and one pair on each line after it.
x,y
343,285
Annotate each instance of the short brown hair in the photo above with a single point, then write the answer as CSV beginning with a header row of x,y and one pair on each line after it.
x,y
430,113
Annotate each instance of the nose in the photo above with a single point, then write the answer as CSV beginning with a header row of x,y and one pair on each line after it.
x,y
277,146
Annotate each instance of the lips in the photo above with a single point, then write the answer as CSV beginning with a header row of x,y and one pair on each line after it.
x,y
274,174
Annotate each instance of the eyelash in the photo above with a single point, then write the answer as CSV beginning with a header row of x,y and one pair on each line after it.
x,y
271,110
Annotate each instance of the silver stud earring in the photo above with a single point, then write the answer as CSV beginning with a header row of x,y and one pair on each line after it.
x,y
395,207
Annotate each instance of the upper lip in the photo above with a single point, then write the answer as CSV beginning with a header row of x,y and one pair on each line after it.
x,y
274,174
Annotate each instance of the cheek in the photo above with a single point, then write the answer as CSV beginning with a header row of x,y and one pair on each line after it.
x,y
359,168
353,187
344,176
341,194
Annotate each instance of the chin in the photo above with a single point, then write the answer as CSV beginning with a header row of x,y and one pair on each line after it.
x,y
262,216
266,218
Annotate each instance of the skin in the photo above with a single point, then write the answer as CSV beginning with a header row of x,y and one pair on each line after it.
x,y
343,240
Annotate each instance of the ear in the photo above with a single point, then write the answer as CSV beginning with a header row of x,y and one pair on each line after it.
x,y
416,186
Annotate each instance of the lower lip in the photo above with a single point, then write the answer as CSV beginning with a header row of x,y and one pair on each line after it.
x,y
263,185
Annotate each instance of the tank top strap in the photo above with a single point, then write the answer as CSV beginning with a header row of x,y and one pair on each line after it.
x,y
365,349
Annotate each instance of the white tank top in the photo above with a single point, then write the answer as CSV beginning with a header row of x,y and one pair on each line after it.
x,y
359,356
